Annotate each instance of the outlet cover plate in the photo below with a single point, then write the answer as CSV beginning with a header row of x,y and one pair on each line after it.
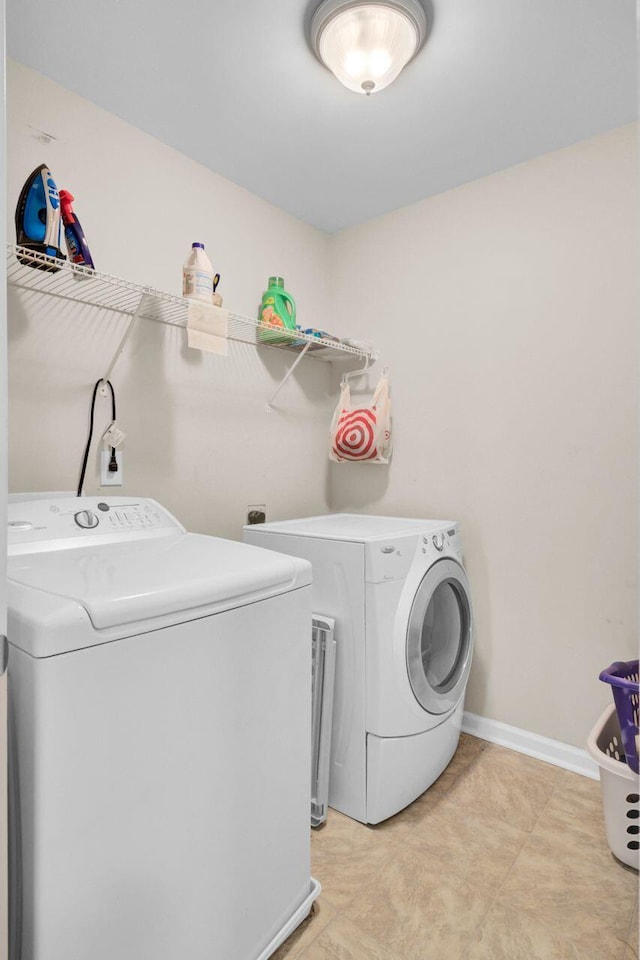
x,y
116,478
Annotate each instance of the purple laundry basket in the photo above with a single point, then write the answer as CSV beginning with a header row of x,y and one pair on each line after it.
x,y
624,680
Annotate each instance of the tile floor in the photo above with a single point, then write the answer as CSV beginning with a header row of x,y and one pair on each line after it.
x,y
504,858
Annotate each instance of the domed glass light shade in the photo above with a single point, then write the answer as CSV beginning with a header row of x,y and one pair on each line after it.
x,y
366,44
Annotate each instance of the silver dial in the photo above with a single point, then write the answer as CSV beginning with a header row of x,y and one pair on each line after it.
x,y
86,519
438,541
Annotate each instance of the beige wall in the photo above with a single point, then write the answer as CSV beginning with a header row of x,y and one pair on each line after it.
x,y
507,311
199,438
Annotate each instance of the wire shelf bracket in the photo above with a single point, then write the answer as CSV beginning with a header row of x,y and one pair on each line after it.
x,y
295,363
135,316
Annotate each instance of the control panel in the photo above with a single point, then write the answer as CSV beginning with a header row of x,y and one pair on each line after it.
x,y
442,541
40,524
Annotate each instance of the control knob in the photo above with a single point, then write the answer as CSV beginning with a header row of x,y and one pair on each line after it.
x,y
86,519
438,541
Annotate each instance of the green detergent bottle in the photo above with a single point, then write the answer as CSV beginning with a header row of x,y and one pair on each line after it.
x,y
278,308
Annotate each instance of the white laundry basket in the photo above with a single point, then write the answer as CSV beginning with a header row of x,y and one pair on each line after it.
x,y
620,789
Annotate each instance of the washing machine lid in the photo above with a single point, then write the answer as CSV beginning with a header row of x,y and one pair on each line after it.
x,y
125,583
357,527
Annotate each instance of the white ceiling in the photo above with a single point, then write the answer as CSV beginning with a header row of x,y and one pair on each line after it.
x,y
233,84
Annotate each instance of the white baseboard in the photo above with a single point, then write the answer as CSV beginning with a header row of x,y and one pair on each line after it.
x,y
542,748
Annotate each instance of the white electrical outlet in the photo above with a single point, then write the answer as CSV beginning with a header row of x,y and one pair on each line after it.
x,y
108,478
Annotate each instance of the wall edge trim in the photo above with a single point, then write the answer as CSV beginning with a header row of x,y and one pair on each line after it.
x,y
560,754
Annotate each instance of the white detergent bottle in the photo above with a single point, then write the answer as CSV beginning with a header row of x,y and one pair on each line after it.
x,y
197,275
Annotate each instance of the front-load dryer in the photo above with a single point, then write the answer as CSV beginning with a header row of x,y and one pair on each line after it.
x,y
400,597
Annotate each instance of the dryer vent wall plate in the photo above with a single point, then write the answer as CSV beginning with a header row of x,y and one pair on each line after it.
x,y
111,478
256,513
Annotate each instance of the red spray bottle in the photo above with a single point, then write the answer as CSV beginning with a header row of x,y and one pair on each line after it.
x,y
73,233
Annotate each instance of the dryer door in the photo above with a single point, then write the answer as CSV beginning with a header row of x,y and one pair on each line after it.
x,y
440,638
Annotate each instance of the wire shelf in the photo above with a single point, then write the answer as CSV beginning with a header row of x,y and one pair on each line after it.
x,y
35,272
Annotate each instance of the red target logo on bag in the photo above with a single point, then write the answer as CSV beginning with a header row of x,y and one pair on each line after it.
x,y
355,435
363,433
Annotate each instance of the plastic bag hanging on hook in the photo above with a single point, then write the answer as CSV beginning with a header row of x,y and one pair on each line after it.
x,y
362,433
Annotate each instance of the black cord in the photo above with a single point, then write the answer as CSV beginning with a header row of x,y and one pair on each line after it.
x,y
88,446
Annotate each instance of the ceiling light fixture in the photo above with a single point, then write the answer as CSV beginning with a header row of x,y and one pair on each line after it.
x,y
366,43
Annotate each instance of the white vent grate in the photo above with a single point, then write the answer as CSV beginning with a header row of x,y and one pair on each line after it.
x,y
323,664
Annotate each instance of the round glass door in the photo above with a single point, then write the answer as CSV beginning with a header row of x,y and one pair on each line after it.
x,y
439,637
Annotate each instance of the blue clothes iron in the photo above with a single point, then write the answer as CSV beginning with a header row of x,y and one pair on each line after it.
x,y
38,218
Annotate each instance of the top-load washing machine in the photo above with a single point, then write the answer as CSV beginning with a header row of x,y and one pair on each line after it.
x,y
400,598
160,707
